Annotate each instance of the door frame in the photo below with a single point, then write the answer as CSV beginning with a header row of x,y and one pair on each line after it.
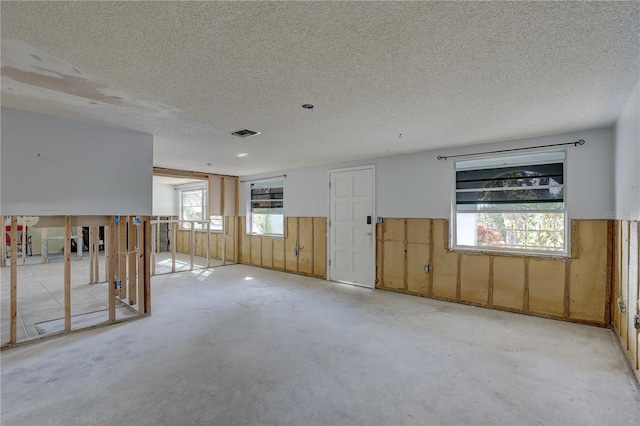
x,y
371,167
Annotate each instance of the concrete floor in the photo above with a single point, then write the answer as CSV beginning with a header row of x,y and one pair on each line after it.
x,y
242,345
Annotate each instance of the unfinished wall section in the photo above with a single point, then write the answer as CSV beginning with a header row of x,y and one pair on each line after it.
x,y
302,250
413,257
625,297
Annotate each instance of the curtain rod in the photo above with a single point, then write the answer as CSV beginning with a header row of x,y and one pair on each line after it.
x,y
263,178
576,143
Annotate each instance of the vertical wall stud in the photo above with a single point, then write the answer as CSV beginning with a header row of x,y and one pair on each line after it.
x,y
525,303
3,243
192,244
67,273
112,242
92,278
490,291
79,242
142,256
174,243
23,239
132,254
122,256
44,246
14,280
147,275
208,244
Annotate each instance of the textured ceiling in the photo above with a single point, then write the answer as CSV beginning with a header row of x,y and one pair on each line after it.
x,y
439,74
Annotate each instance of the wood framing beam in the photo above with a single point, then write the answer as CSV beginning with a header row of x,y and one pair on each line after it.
x,y
208,244
13,335
3,243
122,256
142,254
224,221
67,273
79,242
192,245
133,270
23,239
92,254
174,243
110,256
147,275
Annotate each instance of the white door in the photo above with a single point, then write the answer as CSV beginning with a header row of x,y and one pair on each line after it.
x,y
351,225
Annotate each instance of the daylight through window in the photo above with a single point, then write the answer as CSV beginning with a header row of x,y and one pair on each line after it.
x,y
512,203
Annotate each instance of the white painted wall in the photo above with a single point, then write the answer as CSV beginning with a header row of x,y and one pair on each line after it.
x,y
165,201
420,185
627,160
52,166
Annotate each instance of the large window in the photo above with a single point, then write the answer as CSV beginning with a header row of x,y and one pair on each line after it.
x,y
193,206
514,203
266,207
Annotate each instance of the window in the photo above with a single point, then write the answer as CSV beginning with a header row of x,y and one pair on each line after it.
x,y
267,208
193,206
512,203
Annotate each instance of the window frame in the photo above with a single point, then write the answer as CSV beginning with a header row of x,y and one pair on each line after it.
x,y
453,237
249,215
185,224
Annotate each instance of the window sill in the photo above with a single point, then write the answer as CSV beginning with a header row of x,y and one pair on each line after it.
x,y
511,253
275,236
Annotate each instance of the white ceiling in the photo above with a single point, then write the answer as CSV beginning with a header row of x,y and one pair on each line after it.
x,y
439,73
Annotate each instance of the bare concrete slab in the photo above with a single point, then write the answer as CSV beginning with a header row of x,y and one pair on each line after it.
x,y
243,345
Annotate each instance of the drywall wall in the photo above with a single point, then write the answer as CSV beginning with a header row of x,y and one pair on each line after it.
x,y
627,160
165,202
53,166
420,185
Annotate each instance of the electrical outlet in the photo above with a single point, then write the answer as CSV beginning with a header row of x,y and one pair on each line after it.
x,y
427,268
636,321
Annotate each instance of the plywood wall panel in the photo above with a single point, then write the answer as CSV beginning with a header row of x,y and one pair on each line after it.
x,y
394,265
588,279
393,229
445,264
474,279
417,279
508,282
546,286
320,247
291,244
305,245
230,249
267,252
278,253
418,231
256,250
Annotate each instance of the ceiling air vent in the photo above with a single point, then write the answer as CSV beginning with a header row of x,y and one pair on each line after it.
x,y
244,133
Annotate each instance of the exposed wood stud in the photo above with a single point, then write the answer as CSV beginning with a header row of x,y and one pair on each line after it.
x,y
13,335
3,242
192,245
112,267
382,235
122,256
67,273
132,254
567,289
174,243
575,239
92,278
224,221
23,239
609,277
153,247
107,251
490,291
79,242
147,275
406,263
44,245
208,252
525,303
430,290
458,277
143,258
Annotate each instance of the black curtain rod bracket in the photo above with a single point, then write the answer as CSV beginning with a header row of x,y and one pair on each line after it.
x,y
576,143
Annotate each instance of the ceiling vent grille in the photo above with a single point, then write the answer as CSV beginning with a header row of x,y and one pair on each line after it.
x,y
244,133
